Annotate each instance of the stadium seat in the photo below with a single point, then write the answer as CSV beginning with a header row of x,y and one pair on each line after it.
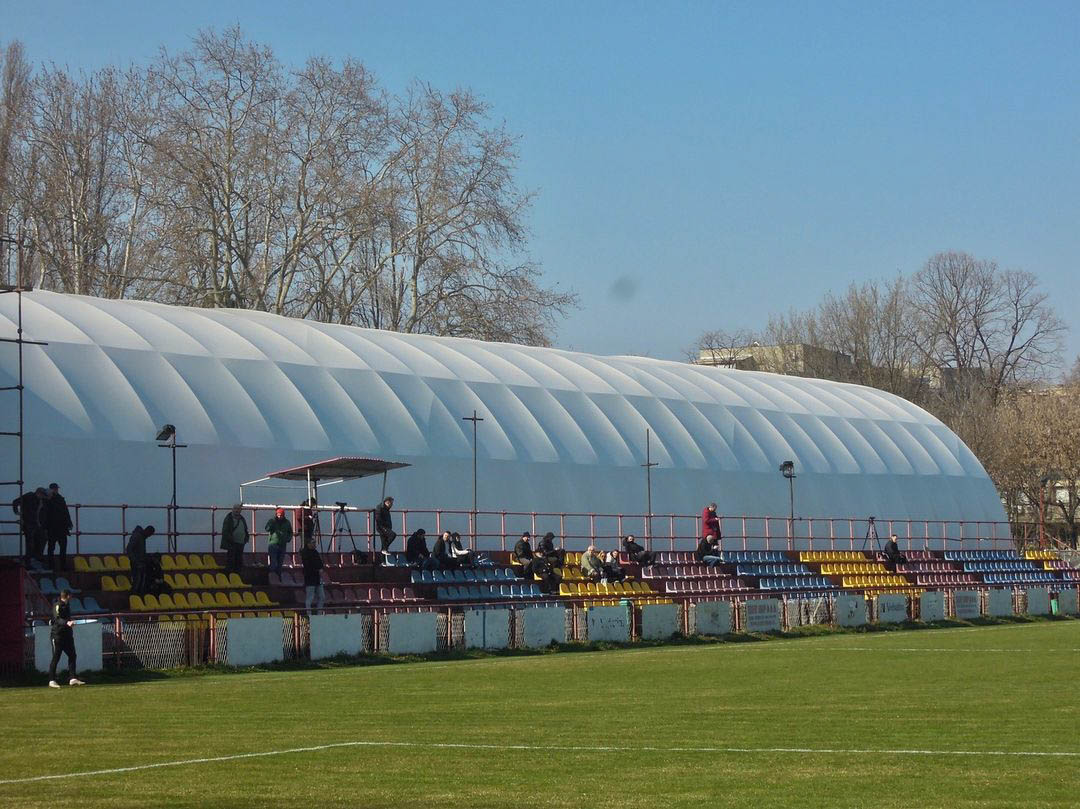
x,y
167,562
108,584
220,599
209,562
124,563
236,581
90,604
135,603
110,563
180,601
123,583
262,599
95,564
235,600
220,580
81,565
181,562
248,599
165,602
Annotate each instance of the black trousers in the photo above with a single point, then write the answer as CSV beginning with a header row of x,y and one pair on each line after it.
x,y
387,537
234,557
61,540
63,644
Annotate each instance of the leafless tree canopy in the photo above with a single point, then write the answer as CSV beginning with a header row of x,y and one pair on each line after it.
x,y
220,177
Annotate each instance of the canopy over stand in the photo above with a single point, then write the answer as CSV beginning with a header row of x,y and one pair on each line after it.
x,y
336,469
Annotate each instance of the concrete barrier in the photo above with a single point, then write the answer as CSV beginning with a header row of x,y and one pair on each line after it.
x,y
1038,601
892,608
659,621
850,610
932,606
253,641
967,604
1000,603
542,626
712,618
87,648
762,615
487,629
332,635
1067,601
608,623
412,632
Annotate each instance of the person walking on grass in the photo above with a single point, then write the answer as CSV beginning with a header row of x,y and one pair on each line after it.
x,y
62,635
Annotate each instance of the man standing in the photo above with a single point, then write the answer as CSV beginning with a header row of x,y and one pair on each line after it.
x,y
136,554
57,524
62,635
314,592
29,507
234,536
384,524
279,535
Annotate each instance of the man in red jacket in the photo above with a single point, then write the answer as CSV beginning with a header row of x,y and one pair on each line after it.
x,y
710,523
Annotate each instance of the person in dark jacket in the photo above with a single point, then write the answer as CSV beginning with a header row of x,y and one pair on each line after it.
x,y
708,551
892,554
234,536
461,556
30,508
62,635
636,552
136,554
278,536
57,523
523,553
613,571
416,550
314,592
384,524
440,553
555,557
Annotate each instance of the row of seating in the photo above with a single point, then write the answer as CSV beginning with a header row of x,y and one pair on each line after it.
x,y
1000,567
479,592
84,606
754,557
481,575
870,582
619,588
773,570
980,556
927,567
796,583
853,569
713,585
1041,555
944,579
97,564
1034,577
679,572
198,601
50,586
195,581
189,561
833,556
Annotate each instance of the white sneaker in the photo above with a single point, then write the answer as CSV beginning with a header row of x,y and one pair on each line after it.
x,y
53,684
75,681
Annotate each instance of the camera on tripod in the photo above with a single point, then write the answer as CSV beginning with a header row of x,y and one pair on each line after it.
x,y
340,505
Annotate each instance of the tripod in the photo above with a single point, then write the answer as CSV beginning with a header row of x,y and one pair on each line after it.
x,y
339,518
871,533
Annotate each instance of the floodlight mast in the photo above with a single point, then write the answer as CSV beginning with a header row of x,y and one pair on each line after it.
x,y
474,419
168,434
787,469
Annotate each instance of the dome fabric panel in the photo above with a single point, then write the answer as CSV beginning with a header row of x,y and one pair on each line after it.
x,y
562,431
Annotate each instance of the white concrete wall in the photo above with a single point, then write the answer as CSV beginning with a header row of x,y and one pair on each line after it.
x,y
892,608
762,615
1038,601
850,610
87,648
543,626
252,641
1067,601
487,629
1000,602
966,604
412,632
712,617
332,635
659,621
932,606
608,623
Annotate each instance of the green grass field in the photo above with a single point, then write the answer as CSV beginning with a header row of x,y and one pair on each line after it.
x,y
981,717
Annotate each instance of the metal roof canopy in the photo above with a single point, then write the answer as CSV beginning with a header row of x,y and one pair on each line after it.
x,y
337,469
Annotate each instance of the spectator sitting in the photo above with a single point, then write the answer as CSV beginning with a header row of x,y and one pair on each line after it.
x,y
458,553
708,551
136,554
440,553
523,553
592,568
613,571
636,552
155,576
556,557
892,552
416,550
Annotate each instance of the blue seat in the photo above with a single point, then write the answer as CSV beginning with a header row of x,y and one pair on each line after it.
x,y
415,577
47,587
90,604
76,606
456,575
469,575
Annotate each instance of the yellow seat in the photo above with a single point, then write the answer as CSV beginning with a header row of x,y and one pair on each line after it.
x,y
135,603
165,602
109,563
167,562
220,580
220,599
209,562
564,589
180,600
200,580
235,600
124,563
182,562
123,583
151,602
108,584
81,565
95,564
263,600
248,599
181,581
169,580
236,581
196,602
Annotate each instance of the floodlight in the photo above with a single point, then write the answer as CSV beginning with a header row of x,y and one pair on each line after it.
x,y
165,433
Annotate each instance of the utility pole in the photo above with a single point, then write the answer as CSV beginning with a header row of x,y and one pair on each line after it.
x,y
474,419
648,465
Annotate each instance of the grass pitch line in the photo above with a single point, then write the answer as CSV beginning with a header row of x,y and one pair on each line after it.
x,y
541,748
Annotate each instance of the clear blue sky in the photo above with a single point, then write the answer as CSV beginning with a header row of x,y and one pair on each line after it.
x,y
700,165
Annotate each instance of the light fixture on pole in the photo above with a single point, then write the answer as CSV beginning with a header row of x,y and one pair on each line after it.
x,y
649,464
168,435
787,469
474,419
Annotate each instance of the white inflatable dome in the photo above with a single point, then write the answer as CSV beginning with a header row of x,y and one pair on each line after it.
x,y
251,392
